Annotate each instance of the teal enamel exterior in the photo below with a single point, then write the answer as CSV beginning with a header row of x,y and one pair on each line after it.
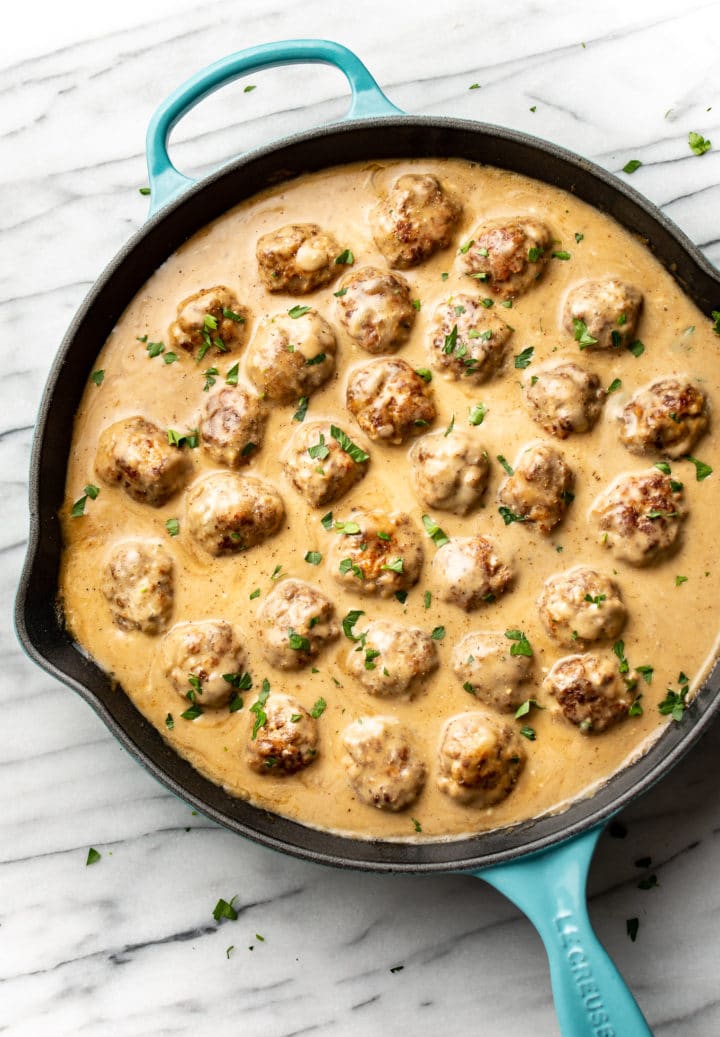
x,y
167,182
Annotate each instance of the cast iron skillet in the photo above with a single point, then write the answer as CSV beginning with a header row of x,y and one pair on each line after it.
x,y
541,865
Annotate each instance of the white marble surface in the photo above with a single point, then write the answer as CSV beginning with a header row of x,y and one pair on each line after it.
x,y
128,946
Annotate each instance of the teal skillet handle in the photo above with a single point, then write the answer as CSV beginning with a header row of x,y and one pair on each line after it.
x,y
166,182
591,997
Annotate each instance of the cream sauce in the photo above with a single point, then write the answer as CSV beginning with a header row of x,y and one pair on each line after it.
x,y
671,628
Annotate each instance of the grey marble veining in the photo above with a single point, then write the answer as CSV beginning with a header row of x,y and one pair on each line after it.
x,y
129,946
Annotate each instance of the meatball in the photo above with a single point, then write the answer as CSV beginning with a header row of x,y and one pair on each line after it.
x,y
382,766
210,319
416,219
138,584
198,656
376,309
563,398
468,572
540,488
296,621
668,416
640,515
286,740
389,400
319,465
581,605
507,255
232,426
227,513
290,357
480,758
484,662
297,258
390,658
376,552
136,455
468,340
602,314
589,690
449,471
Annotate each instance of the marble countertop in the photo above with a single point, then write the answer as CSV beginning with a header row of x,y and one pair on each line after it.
x,y
129,946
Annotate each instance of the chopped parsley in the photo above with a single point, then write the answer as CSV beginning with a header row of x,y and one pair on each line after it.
x,y
347,565
97,377
438,634
225,909
210,378
525,707
674,704
277,571
320,451
351,449
173,527
424,373
318,708
346,258
348,528
582,335
632,165
255,593
340,292
169,722
327,521
298,311
535,253
434,531
78,508
416,304
396,566
529,733
192,712
615,384
427,599
522,360
646,672
257,708
302,407
179,439
578,237
401,596
93,856
477,414
520,645
297,642
239,681
561,255
509,516
505,465
698,144
313,361
636,709
231,315
637,348
595,599
466,247
313,557
416,824
702,470
170,358
679,580
231,378
619,650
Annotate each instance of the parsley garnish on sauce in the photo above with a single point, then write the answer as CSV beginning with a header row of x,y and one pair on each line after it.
x,y
509,516
225,909
98,377
318,708
313,557
702,470
520,645
434,531
78,508
522,360
93,856
346,258
632,165
172,526
582,335
231,378
302,407
351,449
179,439
298,311
477,414
349,622
257,708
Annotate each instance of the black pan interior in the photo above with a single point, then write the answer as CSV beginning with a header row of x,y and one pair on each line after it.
x,y
38,620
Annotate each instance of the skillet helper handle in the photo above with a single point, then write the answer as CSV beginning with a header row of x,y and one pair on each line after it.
x,y
591,997
166,182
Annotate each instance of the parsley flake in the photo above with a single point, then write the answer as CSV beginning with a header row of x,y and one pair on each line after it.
x,y
225,909
172,526
632,165
302,407
522,360
93,856
698,144
434,531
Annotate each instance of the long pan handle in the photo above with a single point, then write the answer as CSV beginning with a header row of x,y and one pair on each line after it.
x,y
591,997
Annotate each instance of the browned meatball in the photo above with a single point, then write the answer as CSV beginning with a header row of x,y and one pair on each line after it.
x,y
602,314
296,621
467,340
485,664
389,400
390,658
232,426
138,584
290,357
449,471
480,758
581,605
589,690
563,398
297,258
540,488
318,464
376,309
640,515
416,219
382,765
136,455
286,738
376,552
198,656
507,255
212,319
467,571
227,513
668,416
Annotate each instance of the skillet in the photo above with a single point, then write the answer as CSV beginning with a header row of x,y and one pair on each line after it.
x,y
542,864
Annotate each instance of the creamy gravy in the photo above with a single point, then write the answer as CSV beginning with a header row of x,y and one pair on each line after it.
x,y
671,628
